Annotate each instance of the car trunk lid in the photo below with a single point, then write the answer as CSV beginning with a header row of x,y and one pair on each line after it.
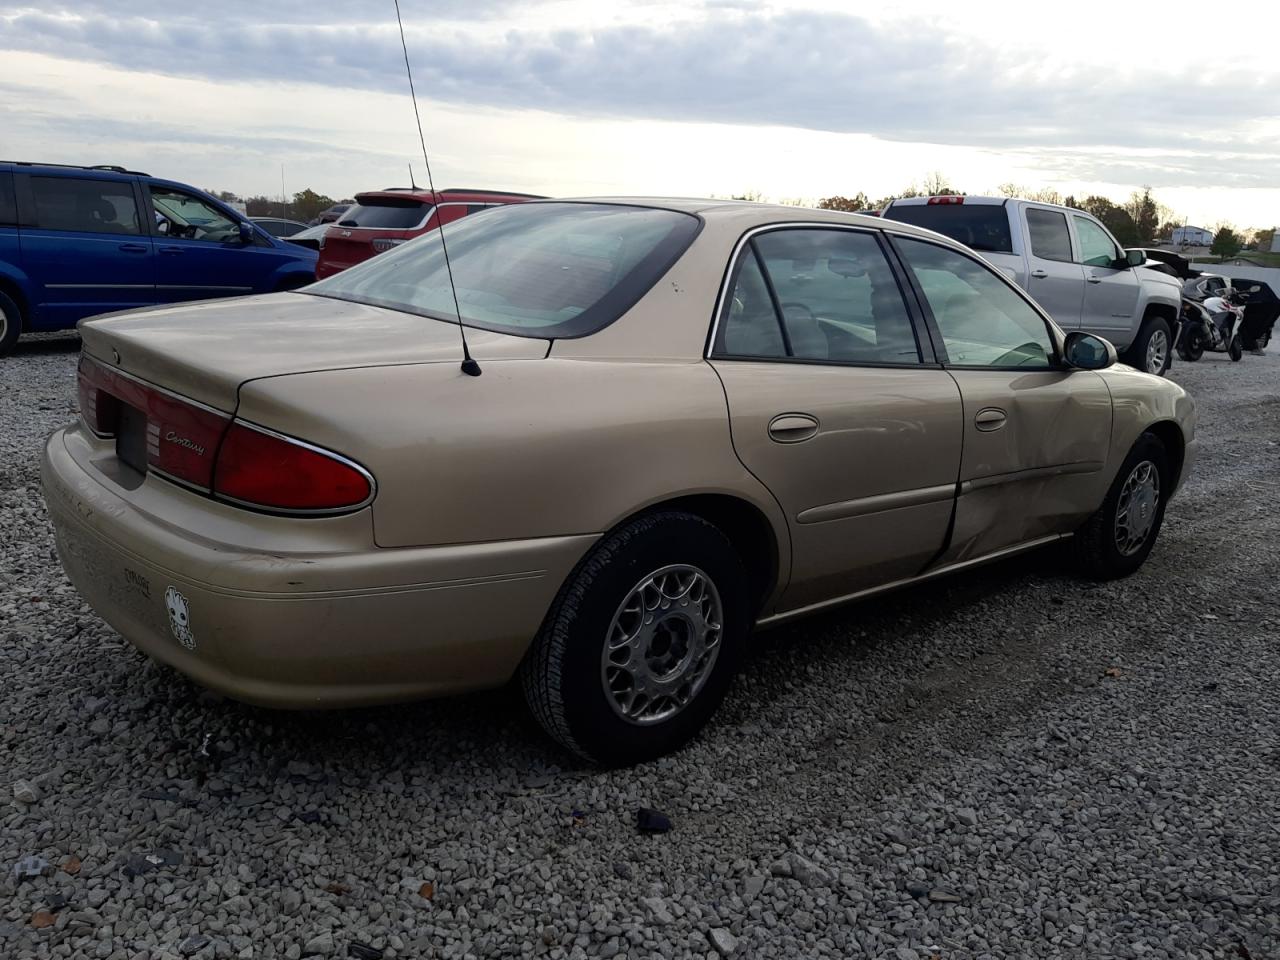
x,y
205,351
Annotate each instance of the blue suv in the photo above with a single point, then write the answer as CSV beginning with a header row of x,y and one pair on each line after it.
x,y
78,241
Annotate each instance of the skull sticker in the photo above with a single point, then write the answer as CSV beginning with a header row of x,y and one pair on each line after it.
x,y
179,618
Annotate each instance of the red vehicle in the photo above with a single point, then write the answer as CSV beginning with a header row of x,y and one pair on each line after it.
x,y
382,219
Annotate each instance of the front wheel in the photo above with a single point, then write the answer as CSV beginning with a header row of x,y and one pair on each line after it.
x,y
1235,349
1151,351
640,646
1116,540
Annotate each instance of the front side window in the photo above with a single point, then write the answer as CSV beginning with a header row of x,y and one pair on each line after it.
x,y
532,269
837,295
1050,239
983,322
183,216
1096,246
85,206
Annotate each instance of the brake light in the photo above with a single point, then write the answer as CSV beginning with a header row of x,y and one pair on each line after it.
x,y
383,244
258,468
945,200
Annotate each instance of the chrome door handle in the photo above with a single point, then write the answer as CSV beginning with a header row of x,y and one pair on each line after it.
x,y
1040,274
990,418
792,427
1093,278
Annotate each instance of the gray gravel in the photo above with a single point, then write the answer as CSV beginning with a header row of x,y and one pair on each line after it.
x,y
1007,764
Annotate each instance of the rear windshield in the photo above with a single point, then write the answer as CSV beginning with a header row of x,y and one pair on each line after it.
x,y
533,269
979,226
385,213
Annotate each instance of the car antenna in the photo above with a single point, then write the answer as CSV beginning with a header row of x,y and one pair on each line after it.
x,y
469,365
412,185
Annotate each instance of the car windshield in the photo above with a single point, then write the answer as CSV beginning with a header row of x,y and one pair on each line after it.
x,y
385,213
979,226
533,269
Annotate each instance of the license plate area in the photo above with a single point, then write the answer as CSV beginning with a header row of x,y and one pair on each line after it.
x,y
131,439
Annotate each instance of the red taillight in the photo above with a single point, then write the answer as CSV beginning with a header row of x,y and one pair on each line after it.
x,y
262,469
947,199
181,436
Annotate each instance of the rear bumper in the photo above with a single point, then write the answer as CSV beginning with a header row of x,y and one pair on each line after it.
x,y
300,629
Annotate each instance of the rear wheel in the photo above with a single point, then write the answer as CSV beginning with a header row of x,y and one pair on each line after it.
x,y
641,645
1192,348
1151,351
1116,540
10,324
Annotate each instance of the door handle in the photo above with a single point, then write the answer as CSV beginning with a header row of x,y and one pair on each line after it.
x,y
990,418
171,250
792,427
1093,278
1040,274
133,247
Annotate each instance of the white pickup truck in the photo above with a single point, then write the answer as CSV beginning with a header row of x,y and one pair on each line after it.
x,y
1069,263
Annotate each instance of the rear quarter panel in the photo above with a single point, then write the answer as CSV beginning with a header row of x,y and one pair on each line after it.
x,y
532,448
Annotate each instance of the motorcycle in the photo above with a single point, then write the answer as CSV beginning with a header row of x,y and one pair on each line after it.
x,y
1212,325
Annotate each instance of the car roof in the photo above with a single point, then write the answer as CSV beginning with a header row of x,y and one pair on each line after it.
x,y
67,169
751,213
452,193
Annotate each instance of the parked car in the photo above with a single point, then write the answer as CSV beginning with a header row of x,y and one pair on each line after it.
x,y
331,214
383,219
311,238
1069,262
78,241
278,227
691,417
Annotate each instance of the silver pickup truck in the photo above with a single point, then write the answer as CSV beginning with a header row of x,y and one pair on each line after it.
x,y
1069,263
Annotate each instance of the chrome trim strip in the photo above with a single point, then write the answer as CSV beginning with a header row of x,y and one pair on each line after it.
x,y
285,511
1034,473
877,504
778,618
99,286
200,286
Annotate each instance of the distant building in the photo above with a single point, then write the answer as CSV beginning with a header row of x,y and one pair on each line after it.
x,y
1192,237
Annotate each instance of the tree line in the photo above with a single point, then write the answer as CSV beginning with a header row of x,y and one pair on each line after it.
x,y
303,206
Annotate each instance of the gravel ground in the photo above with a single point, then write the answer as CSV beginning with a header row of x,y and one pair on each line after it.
x,y
1006,764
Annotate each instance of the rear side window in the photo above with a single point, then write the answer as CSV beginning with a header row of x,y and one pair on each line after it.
x,y
8,207
86,206
1050,239
838,299
385,214
537,269
979,226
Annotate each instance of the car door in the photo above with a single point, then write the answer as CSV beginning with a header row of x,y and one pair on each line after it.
x,y
1054,279
83,246
836,408
1111,286
1036,435
199,253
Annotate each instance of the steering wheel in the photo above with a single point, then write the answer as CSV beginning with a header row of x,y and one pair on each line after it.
x,y
1029,352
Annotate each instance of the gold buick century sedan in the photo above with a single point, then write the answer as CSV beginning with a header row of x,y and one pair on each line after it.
x,y
691,418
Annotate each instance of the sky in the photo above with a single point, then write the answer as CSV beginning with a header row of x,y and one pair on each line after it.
x,y
794,100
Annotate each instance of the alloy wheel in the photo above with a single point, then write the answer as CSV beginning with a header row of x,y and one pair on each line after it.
x,y
662,644
1137,507
1157,352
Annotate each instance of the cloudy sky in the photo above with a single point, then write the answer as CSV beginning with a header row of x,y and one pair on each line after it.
x,y
795,100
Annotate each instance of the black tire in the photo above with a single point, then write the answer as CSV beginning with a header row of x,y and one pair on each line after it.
x,y
1191,349
1136,355
1235,349
1096,552
563,674
10,324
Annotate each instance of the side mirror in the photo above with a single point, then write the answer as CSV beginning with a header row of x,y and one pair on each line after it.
x,y
246,232
1084,351
1135,258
